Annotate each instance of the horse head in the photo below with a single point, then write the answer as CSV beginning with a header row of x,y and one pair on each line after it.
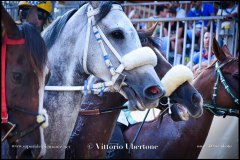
x,y
132,62
111,51
219,83
24,58
184,98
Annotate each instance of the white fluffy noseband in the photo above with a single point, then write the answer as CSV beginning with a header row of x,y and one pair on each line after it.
x,y
175,77
139,57
41,117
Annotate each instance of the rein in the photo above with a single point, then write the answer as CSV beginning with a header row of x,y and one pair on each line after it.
x,y
139,129
98,111
216,109
41,118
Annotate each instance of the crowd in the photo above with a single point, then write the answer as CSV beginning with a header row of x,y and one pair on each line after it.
x,y
198,9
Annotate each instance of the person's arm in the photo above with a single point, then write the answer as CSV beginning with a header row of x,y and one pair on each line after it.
x,y
165,32
234,13
190,23
180,32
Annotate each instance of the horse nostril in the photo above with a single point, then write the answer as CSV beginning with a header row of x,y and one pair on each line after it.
x,y
196,99
154,92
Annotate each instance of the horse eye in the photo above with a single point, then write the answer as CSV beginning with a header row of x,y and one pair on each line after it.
x,y
118,34
17,77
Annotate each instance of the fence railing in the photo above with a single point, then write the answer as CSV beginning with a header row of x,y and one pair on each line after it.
x,y
229,37
148,9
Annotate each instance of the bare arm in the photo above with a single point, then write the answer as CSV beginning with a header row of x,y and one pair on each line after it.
x,y
165,32
180,33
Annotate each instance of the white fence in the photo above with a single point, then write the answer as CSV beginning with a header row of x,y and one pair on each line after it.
x,y
229,37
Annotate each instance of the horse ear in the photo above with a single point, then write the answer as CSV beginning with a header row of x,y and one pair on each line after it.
x,y
32,17
95,4
226,51
149,32
9,26
218,52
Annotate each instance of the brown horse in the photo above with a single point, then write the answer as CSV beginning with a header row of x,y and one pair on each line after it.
x,y
92,133
185,139
24,67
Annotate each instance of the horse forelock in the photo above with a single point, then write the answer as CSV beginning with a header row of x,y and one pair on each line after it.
x,y
105,7
37,49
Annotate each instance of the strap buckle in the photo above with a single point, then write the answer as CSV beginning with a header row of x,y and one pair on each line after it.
x,y
12,126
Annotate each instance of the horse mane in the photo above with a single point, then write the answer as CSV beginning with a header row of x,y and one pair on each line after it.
x,y
35,44
54,30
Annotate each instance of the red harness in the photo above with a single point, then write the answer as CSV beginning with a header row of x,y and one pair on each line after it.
x,y
6,41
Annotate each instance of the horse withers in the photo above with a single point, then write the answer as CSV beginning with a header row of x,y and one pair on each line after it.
x,y
99,39
24,68
218,84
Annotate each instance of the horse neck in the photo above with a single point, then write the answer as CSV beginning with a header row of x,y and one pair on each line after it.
x,y
101,126
173,133
65,56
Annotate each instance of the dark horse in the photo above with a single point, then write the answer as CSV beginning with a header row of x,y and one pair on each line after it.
x,y
24,67
92,133
185,139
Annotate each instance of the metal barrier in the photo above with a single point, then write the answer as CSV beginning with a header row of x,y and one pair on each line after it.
x,y
229,37
148,9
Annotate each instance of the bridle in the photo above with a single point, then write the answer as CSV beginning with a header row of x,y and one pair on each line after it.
x,y
125,62
220,110
41,118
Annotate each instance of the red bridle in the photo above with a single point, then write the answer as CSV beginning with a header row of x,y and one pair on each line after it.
x,y
6,41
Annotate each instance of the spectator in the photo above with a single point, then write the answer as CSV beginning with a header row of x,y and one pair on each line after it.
x,y
161,12
229,10
172,14
198,10
196,56
44,11
181,13
135,14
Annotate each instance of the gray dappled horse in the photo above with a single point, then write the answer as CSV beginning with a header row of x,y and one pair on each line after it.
x,y
99,39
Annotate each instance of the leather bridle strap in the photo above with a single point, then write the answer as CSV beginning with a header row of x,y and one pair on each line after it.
x,y
6,41
19,134
99,111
